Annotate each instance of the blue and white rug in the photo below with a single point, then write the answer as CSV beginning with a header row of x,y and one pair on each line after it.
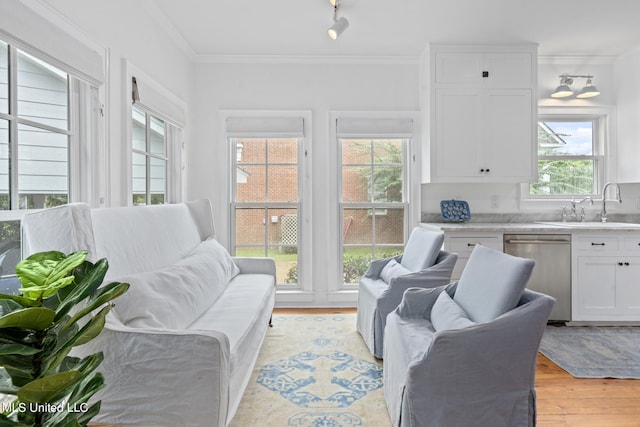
x,y
314,371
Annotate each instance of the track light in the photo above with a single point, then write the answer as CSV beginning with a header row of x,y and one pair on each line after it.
x,y
339,25
564,90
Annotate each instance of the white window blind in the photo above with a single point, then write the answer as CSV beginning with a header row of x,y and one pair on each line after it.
x,y
265,126
373,127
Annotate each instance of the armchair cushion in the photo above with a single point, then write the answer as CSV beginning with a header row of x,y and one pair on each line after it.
x,y
422,249
492,283
393,269
447,315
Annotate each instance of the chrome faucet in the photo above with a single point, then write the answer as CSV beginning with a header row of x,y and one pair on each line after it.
x,y
573,213
603,213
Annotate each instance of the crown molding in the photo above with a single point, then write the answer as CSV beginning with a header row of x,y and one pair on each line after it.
x,y
308,59
576,59
170,30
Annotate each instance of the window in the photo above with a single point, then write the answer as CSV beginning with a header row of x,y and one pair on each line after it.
x,y
570,157
35,132
267,182
148,158
46,111
374,190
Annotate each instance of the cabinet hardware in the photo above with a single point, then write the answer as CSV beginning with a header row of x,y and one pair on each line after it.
x,y
620,264
485,74
472,244
538,241
626,263
597,244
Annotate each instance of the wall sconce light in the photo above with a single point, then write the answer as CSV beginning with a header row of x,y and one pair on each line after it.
x,y
564,90
339,25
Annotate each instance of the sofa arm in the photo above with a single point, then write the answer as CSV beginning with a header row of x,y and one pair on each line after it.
x,y
256,265
163,378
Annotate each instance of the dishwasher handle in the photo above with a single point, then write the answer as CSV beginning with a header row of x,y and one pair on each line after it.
x,y
538,241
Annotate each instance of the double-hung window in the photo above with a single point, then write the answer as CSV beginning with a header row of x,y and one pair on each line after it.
x,y
148,158
570,157
268,182
374,186
35,132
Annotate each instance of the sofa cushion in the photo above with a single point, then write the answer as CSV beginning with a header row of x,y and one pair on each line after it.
x,y
491,283
173,297
422,249
447,315
393,269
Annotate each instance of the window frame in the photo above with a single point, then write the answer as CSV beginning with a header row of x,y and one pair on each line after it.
x,y
603,153
301,292
74,87
338,291
149,155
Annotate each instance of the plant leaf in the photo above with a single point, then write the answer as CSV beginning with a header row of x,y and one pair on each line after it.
x,y
104,295
86,334
36,318
48,388
42,274
88,278
93,328
14,348
25,302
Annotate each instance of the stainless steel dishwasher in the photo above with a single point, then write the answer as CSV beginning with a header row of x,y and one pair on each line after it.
x,y
552,272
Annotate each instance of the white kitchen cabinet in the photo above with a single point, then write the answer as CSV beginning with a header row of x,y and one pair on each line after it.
x,y
605,271
482,114
463,244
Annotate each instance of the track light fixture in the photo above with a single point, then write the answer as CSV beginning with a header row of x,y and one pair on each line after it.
x,y
339,25
564,90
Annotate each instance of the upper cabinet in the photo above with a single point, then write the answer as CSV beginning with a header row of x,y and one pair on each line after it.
x,y
480,107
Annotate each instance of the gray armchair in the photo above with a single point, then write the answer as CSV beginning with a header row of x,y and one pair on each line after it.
x,y
423,264
465,354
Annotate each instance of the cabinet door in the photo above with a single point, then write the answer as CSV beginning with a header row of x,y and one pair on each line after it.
x,y
595,293
458,131
508,70
628,288
458,68
510,146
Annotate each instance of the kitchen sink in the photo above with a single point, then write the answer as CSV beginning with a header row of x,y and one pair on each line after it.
x,y
591,225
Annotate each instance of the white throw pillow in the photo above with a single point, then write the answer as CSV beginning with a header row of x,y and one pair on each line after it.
x,y
447,315
174,296
393,269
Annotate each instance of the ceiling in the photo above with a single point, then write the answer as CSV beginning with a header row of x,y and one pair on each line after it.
x,y
401,27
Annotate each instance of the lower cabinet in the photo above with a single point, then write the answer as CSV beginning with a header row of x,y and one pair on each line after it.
x,y
463,245
605,284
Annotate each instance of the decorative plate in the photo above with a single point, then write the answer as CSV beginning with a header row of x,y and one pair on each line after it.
x,y
455,210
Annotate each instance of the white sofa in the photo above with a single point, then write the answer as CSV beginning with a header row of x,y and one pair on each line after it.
x,y
180,345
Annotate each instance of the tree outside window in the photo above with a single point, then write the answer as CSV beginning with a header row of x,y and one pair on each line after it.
x,y
569,158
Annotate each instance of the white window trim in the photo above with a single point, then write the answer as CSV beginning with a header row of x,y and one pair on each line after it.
x,y
607,130
304,291
337,291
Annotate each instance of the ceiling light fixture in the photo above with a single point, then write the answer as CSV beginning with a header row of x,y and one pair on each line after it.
x,y
339,25
564,90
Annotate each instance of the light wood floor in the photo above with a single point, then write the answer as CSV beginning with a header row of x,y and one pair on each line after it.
x,y
565,401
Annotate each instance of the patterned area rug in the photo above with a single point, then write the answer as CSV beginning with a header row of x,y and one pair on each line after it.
x,y
594,352
314,371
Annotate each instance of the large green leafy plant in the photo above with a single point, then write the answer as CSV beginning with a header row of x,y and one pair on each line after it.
x,y
61,305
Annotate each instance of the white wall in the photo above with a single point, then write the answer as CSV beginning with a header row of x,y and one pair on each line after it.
x,y
316,87
127,30
627,70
